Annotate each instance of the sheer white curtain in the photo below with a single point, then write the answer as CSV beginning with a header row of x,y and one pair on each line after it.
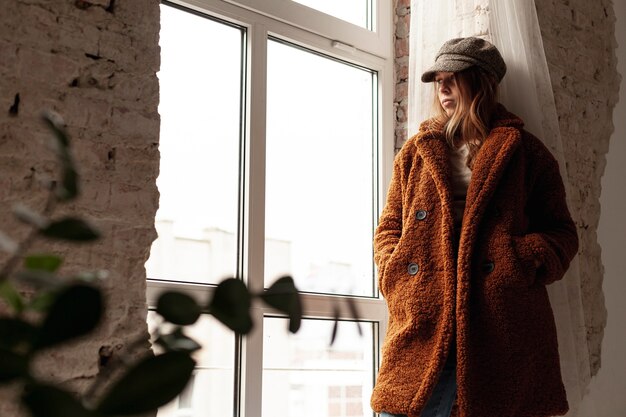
x,y
526,90
433,23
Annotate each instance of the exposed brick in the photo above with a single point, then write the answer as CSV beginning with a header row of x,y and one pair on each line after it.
x,y
402,4
402,47
579,44
402,89
402,71
402,26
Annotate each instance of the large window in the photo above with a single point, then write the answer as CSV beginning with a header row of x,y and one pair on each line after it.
x,y
201,92
276,141
319,171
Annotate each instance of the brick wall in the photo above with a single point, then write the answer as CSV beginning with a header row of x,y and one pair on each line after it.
x,y
580,47
95,63
400,103
579,42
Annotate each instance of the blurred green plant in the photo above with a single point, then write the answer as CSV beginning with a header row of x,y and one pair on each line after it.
x,y
62,309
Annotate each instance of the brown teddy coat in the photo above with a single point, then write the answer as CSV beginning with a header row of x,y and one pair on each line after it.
x,y
493,296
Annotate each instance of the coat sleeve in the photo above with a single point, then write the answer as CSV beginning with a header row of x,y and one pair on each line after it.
x,y
389,229
552,241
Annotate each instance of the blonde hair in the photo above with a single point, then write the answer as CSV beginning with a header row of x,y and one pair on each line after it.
x,y
471,120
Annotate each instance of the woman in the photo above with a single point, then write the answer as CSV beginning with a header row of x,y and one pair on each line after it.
x,y
474,228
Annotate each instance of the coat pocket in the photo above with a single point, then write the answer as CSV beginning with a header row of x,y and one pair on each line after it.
x,y
526,260
383,283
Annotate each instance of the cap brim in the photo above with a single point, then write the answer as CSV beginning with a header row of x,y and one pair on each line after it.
x,y
445,66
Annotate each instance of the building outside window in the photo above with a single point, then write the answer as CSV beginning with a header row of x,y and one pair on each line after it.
x,y
276,143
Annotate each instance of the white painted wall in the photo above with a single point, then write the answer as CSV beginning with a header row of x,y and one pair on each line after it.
x,y
608,388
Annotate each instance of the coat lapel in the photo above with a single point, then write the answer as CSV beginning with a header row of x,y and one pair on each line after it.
x,y
436,156
489,166
490,163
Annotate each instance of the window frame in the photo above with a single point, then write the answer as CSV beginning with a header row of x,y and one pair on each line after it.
x,y
260,25
374,41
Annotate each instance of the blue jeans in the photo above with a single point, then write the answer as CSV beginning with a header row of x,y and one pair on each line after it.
x,y
441,402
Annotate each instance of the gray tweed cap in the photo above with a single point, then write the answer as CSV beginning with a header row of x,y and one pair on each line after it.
x,y
461,53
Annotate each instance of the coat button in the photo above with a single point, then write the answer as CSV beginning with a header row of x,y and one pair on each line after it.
x,y
413,268
488,267
420,215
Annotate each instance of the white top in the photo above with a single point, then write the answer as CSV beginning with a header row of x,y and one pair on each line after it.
x,y
461,176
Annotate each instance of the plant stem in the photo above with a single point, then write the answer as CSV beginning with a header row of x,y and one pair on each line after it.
x,y
23,246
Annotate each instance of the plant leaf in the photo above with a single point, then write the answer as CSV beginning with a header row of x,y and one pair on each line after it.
x,y
12,365
333,335
151,383
178,341
231,305
43,262
48,401
354,312
16,333
71,228
10,295
42,301
75,312
69,184
283,295
178,308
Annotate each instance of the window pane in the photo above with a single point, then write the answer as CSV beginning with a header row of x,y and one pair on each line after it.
x,y
353,11
319,173
211,389
199,145
303,376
